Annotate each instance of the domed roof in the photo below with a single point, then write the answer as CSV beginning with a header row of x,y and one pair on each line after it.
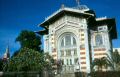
x,y
81,7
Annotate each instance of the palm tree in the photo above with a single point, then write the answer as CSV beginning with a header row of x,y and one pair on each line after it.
x,y
100,63
97,63
114,60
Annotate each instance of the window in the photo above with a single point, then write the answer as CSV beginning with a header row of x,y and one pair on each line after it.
x,y
62,53
70,62
74,41
68,45
62,43
68,52
98,40
75,52
67,61
75,60
100,28
68,41
62,61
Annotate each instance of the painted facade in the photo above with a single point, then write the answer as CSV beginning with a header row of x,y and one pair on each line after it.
x,y
76,37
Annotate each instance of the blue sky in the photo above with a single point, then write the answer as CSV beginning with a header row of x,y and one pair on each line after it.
x,y
17,15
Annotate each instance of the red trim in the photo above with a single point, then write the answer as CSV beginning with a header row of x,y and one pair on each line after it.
x,y
102,49
82,48
83,62
83,57
83,67
82,52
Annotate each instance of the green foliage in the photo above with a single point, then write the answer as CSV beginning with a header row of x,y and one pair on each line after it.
x,y
100,63
1,64
114,60
29,39
49,61
30,60
26,60
15,53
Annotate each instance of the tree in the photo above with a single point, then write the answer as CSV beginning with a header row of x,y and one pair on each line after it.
x,y
29,39
49,61
105,62
100,63
1,64
15,53
114,60
30,60
26,60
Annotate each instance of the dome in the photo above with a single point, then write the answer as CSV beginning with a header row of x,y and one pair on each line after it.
x,y
81,7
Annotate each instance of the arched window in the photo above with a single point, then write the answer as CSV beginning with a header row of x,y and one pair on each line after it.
x,y
98,40
68,40
68,47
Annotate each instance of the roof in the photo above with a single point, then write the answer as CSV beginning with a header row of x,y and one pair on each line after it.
x,y
81,11
64,11
111,26
42,32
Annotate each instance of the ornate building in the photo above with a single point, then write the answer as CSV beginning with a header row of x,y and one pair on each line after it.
x,y
77,37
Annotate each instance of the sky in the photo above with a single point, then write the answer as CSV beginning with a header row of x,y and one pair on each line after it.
x,y
18,15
